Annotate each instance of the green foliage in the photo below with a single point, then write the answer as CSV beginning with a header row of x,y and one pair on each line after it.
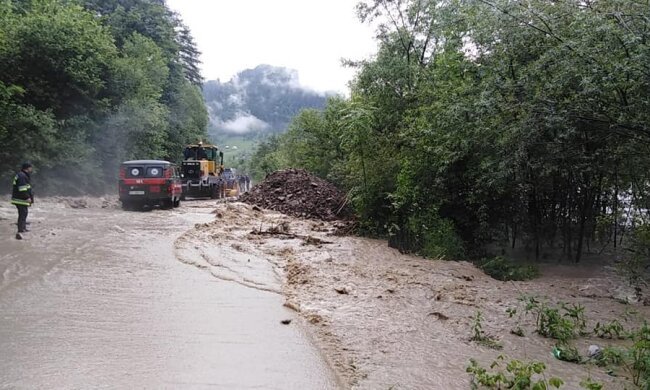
x,y
613,329
567,353
610,356
60,54
561,323
589,384
503,269
634,359
492,121
576,312
85,85
636,264
639,356
552,324
268,157
517,375
480,337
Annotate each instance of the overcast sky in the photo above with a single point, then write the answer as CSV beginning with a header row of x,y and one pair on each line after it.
x,y
307,35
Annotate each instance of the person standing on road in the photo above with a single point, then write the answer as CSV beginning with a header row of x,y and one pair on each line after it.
x,y
22,196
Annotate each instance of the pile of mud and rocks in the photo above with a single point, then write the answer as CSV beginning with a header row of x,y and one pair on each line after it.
x,y
298,193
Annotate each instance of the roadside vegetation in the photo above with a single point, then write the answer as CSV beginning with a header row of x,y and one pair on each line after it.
x,y
86,84
626,353
521,123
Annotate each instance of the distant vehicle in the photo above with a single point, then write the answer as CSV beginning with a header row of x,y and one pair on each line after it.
x,y
234,148
203,174
149,183
229,173
227,147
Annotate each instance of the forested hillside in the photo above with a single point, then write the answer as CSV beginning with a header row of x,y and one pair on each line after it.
x,y
87,84
525,123
257,101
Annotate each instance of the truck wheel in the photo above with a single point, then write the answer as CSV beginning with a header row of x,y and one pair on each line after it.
x,y
166,204
214,191
177,202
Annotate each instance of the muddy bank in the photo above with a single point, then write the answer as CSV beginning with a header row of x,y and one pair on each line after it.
x,y
386,320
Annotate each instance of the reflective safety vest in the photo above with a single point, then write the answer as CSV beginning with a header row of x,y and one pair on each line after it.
x,y
22,189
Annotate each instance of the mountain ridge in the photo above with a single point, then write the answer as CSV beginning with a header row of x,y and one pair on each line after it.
x,y
258,101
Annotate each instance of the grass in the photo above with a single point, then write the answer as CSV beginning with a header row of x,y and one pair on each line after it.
x,y
245,147
504,269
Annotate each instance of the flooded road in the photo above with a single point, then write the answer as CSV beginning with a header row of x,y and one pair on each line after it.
x,y
392,321
96,298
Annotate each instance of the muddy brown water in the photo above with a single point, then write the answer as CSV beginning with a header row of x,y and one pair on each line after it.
x,y
393,321
96,298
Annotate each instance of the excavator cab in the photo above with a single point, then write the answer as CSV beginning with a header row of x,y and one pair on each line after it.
x,y
201,152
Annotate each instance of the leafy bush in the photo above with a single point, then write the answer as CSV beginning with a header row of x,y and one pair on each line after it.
x,y
567,353
437,236
589,384
635,359
551,324
560,323
518,375
501,268
639,357
611,330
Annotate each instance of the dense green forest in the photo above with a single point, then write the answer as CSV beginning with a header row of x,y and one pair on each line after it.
x,y
86,84
521,123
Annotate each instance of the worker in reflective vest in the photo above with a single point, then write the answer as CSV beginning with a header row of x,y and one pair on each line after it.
x,y
22,196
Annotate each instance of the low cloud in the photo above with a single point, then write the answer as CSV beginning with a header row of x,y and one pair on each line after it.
x,y
242,124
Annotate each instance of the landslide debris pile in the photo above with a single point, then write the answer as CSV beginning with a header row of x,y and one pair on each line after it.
x,y
298,193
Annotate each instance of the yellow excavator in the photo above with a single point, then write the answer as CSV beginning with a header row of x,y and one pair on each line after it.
x,y
203,174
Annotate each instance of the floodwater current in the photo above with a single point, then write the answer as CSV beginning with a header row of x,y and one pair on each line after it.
x,y
95,298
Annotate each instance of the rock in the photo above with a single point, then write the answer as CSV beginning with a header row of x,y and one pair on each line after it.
x,y
314,319
594,351
625,295
298,193
292,306
646,301
342,290
439,315
78,204
118,229
285,322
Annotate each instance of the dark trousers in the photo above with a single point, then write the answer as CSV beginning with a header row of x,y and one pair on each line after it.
x,y
22,217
